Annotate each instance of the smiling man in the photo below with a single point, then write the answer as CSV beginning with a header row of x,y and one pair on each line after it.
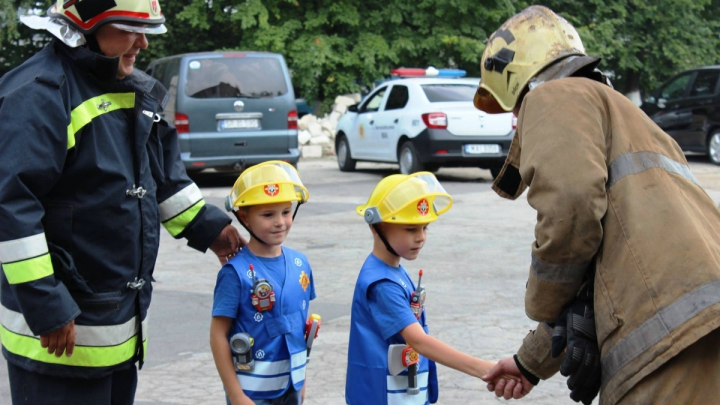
x,y
88,172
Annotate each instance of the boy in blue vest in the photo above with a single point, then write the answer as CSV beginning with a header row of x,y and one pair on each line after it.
x,y
262,294
398,212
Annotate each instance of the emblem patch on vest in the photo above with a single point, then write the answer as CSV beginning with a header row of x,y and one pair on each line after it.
x,y
304,280
258,317
272,189
260,354
298,262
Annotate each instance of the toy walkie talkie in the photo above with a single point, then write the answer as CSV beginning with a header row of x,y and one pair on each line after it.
x,y
263,297
417,302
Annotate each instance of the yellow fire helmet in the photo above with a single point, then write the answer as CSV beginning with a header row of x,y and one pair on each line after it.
x,y
267,183
522,47
413,199
86,16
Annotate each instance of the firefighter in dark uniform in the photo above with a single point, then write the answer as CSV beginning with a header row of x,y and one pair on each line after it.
x,y
88,172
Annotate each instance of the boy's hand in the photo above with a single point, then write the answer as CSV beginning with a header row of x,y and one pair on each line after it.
x,y
242,399
507,381
60,340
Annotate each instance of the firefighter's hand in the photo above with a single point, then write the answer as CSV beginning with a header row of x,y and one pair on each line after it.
x,y
61,340
227,244
507,388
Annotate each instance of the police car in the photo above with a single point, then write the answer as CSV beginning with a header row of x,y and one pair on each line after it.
x,y
423,119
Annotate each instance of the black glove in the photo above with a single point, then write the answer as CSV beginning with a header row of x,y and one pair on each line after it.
x,y
575,329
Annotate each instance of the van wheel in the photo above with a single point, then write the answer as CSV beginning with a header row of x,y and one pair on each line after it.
x,y
713,147
408,159
345,161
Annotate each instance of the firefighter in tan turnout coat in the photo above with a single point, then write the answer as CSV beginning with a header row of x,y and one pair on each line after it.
x,y
617,202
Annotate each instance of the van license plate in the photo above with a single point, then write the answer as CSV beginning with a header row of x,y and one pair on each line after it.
x,y
240,124
482,149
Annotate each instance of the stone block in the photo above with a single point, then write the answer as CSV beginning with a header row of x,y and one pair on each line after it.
x,y
320,140
304,137
311,151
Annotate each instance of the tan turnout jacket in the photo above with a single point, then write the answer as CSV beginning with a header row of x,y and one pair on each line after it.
x,y
613,191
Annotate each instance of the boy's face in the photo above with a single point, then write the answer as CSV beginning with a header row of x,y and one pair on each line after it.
x,y
269,222
406,240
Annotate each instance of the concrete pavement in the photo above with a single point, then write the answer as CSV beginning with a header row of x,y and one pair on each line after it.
x,y
475,266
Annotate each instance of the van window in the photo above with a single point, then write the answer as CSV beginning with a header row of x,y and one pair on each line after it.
x,y
437,93
704,84
235,77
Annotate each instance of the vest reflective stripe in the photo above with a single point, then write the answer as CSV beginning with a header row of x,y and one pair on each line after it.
x,y
23,248
28,270
253,383
298,359
634,163
558,273
659,327
179,202
95,107
399,398
400,382
271,368
178,223
106,335
298,374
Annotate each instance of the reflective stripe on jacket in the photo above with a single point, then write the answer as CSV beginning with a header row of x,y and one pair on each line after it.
x,y
368,378
279,351
613,192
89,172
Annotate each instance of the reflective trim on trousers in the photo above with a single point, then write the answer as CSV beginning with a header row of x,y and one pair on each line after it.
x,y
658,328
558,273
105,335
638,162
95,107
255,383
177,224
179,202
23,248
400,382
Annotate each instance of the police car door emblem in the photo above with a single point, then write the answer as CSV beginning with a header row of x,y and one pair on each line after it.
x,y
258,317
298,262
104,105
260,354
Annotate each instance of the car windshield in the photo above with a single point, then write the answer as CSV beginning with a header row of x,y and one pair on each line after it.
x,y
233,77
437,93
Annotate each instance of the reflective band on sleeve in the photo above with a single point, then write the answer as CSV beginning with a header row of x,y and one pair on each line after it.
x,y
638,162
402,398
658,328
28,270
179,202
250,383
558,273
23,248
400,382
83,356
177,224
106,335
95,107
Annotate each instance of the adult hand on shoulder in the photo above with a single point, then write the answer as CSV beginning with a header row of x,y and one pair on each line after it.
x,y
227,244
61,340
515,387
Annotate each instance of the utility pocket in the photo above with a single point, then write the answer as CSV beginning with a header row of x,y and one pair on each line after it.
x,y
66,272
101,302
607,320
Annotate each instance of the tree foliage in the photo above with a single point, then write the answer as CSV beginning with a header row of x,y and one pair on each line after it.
x,y
339,46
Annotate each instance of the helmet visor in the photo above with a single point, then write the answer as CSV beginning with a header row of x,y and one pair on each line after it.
x,y
140,28
419,186
268,174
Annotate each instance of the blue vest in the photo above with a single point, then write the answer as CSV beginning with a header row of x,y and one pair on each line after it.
x,y
368,378
279,350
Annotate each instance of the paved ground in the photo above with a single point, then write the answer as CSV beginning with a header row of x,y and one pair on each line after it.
x,y
475,261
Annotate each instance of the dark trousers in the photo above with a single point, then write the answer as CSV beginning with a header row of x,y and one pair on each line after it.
x,y
29,388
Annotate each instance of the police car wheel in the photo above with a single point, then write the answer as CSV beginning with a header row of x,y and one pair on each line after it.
x,y
345,161
408,159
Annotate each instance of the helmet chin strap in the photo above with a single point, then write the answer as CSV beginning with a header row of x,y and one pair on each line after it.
x,y
262,241
385,242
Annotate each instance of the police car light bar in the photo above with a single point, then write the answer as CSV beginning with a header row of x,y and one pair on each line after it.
x,y
429,72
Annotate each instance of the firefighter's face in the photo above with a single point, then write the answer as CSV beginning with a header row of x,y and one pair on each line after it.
x,y
115,42
269,222
406,240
